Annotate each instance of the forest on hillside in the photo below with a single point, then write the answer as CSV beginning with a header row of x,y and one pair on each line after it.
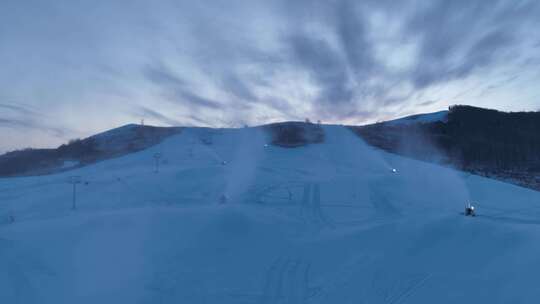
x,y
81,152
482,141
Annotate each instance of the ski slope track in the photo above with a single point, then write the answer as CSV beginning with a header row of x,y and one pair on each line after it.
x,y
236,220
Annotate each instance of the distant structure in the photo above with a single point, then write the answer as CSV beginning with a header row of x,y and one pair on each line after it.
x,y
469,210
74,180
157,157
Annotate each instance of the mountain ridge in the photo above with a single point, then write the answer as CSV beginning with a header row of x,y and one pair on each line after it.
x,y
420,136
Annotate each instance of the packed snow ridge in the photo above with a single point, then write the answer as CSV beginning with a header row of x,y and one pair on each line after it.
x,y
222,216
441,116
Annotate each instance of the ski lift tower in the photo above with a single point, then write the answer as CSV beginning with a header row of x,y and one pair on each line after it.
x,y
157,157
74,180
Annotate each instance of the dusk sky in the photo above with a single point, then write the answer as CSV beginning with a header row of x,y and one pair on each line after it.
x,y
69,69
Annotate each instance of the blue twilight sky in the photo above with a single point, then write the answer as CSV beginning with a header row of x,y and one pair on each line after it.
x,y
72,68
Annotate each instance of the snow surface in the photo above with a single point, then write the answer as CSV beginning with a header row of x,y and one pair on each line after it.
x,y
70,164
326,223
420,118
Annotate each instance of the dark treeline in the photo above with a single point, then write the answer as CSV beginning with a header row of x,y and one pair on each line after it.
x,y
482,141
83,151
507,141
38,161
294,134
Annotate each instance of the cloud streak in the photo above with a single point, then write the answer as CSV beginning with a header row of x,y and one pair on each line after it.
x,y
22,117
235,62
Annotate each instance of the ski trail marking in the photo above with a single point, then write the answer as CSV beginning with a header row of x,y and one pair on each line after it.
x,y
396,291
319,215
380,202
408,291
310,208
305,205
286,281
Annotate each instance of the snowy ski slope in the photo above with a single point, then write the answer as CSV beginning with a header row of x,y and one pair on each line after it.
x,y
326,223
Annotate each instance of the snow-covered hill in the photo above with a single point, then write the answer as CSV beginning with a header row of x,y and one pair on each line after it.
x,y
419,118
81,152
235,220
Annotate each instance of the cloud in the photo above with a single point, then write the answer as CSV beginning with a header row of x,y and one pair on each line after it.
x,y
24,117
233,62
176,88
337,44
456,38
26,124
235,85
18,108
427,103
324,66
339,57
14,123
352,34
155,115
